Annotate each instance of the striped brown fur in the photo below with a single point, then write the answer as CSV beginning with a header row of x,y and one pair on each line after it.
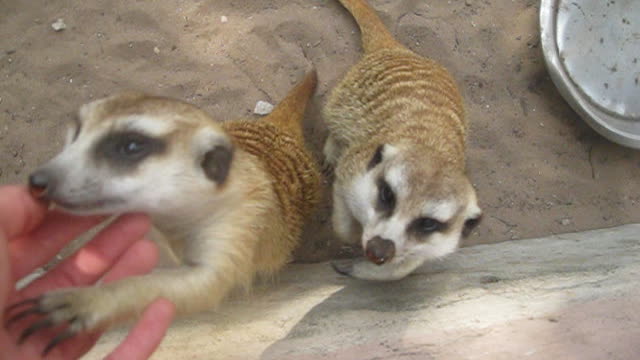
x,y
277,143
395,94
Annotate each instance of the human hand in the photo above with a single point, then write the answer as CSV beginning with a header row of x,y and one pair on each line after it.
x,y
30,235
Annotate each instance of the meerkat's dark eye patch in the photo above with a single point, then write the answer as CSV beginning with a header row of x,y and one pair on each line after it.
x,y
127,148
376,158
425,226
386,201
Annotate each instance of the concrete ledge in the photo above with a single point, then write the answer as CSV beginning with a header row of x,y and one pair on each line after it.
x,y
571,296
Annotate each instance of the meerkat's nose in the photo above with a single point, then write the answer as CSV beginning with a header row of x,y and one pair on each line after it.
x,y
380,250
39,182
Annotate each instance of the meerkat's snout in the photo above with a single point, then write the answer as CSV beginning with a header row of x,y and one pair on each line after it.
x,y
379,250
39,183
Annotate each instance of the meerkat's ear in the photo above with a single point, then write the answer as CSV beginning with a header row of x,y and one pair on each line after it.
x,y
382,152
217,162
473,215
215,153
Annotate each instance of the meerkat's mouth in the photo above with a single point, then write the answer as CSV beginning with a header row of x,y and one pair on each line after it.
x,y
84,206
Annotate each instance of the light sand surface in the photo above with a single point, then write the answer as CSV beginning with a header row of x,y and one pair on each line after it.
x,y
538,168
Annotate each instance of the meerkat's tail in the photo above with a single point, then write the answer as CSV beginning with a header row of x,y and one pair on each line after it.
x,y
374,34
288,114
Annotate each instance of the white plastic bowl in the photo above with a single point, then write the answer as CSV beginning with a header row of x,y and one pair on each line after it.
x,y
592,51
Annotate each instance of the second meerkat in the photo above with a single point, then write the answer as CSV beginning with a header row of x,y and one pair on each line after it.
x,y
397,141
231,199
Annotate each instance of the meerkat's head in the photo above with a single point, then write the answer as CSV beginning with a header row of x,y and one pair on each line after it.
x,y
133,152
412,207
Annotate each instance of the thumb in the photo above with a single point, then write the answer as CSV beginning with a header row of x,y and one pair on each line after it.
x,y
19,211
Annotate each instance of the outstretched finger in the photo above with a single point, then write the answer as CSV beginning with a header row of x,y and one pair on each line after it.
x,y
148,332
92,261
31,250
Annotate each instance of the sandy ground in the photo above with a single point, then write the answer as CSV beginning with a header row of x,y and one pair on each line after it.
x,y
538,167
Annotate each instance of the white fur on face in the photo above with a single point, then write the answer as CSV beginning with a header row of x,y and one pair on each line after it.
x,y
442,211
77,184
393,229
397,179
146,125
473,211
438,245
155,185
360,196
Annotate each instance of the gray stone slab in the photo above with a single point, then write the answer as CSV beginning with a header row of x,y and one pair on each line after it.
x,y
570,296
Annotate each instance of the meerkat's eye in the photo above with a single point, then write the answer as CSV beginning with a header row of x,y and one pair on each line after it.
x,y
425,226
132,147
127,147
386,197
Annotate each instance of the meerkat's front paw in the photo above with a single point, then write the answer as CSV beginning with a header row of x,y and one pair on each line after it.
x,y
363,269
343,267
78,309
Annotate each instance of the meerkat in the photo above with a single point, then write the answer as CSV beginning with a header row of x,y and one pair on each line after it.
x,y
397,144
230,197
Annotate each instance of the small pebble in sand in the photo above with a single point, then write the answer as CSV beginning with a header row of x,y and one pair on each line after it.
x,y
223,19
156,50
565,222
262,108
59,25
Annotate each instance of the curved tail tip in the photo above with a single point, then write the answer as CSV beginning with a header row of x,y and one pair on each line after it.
x,y
311,77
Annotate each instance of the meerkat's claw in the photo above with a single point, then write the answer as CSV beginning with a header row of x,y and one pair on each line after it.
x,y
22,303
40,306
42,324
32,309
343,267
58,339
70,307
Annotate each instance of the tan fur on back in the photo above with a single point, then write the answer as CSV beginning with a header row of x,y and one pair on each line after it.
x,y
295,180
394,95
